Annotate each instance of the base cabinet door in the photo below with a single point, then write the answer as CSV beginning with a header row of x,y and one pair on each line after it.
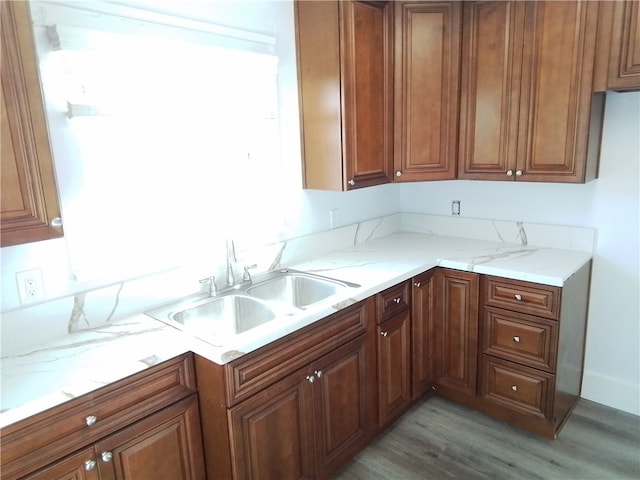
x,y
457,294
307,425
394,367
343,406
271,433
167,444
424,352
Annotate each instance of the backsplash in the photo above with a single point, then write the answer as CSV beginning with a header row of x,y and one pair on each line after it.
x,y
35,325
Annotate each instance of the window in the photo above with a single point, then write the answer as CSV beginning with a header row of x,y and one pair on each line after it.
x,y
177,136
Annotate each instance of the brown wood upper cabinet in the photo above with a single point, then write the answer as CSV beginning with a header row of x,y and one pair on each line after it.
x,y
345,88
618,60
426,82
526,97
30,208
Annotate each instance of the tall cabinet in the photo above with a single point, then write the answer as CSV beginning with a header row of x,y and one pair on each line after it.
x,y
527,108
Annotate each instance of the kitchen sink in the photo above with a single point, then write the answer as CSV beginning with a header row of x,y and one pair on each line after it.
x,y
297,289
272,296
231,314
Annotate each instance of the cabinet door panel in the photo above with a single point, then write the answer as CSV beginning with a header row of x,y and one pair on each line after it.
x,y
367,92
458,316
424,353
271,433
167,444
427,86
490,92
342,405
394,368
80,466
624,62
558,62
28,187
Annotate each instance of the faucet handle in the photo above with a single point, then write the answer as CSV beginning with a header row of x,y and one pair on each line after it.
x,y
246,277
211,280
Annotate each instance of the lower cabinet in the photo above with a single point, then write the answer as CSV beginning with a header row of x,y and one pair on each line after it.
x,y
145,426
306,425
424,352
165,445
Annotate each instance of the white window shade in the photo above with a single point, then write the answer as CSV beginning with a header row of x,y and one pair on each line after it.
x,y
170,132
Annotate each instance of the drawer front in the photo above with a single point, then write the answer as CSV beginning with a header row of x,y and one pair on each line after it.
x,y
392,301
33,442
525,297
518,388
524,339
252,372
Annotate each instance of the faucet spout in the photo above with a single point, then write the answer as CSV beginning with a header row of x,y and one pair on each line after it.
x,y
231,257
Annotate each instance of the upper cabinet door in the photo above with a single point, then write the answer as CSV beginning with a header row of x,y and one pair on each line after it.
x,y
624,60
527,107
30,207
427,72
557,106
491,71
345,81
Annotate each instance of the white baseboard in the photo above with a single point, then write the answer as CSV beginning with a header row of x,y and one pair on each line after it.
x,y
613,392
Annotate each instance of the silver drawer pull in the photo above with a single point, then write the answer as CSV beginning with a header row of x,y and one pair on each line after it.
x,y
311,378
518,296
384,334
397,300
91,420
90,465
516,339
318,373
417,284
514,388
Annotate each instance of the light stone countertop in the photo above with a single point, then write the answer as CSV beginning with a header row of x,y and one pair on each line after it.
x,y
48,375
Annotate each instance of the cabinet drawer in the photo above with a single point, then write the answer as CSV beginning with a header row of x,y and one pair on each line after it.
x,y
525,297
33,442
392,301
518,388
256,370
525,339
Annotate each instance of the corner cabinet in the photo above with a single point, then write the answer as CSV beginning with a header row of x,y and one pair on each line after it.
x,y
345,90
527,108
426,83
145,426
30,206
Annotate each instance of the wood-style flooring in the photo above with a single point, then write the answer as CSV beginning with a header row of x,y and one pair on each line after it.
x,y
439,439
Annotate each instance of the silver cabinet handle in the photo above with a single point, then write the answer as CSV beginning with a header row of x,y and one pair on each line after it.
x,y
106,456
516,339
384,334
397,300
91,420
318,373
90,465
509,173
518,173
311,378
417,284
514,388
398,173
351,182
518,297
56,222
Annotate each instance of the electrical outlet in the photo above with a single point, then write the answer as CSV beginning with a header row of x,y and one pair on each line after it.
x,y
30,285
455,208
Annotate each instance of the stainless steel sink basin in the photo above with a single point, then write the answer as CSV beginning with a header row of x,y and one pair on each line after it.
x,y
271,296
297,289
231,314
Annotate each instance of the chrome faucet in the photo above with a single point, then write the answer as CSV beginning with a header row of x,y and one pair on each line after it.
x,y
231,257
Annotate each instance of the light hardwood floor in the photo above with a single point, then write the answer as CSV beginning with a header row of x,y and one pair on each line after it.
x,y
439,439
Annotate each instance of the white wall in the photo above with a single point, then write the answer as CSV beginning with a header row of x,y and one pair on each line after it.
x,y
609,204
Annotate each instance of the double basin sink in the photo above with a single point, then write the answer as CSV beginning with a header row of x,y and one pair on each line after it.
x,y
270,297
